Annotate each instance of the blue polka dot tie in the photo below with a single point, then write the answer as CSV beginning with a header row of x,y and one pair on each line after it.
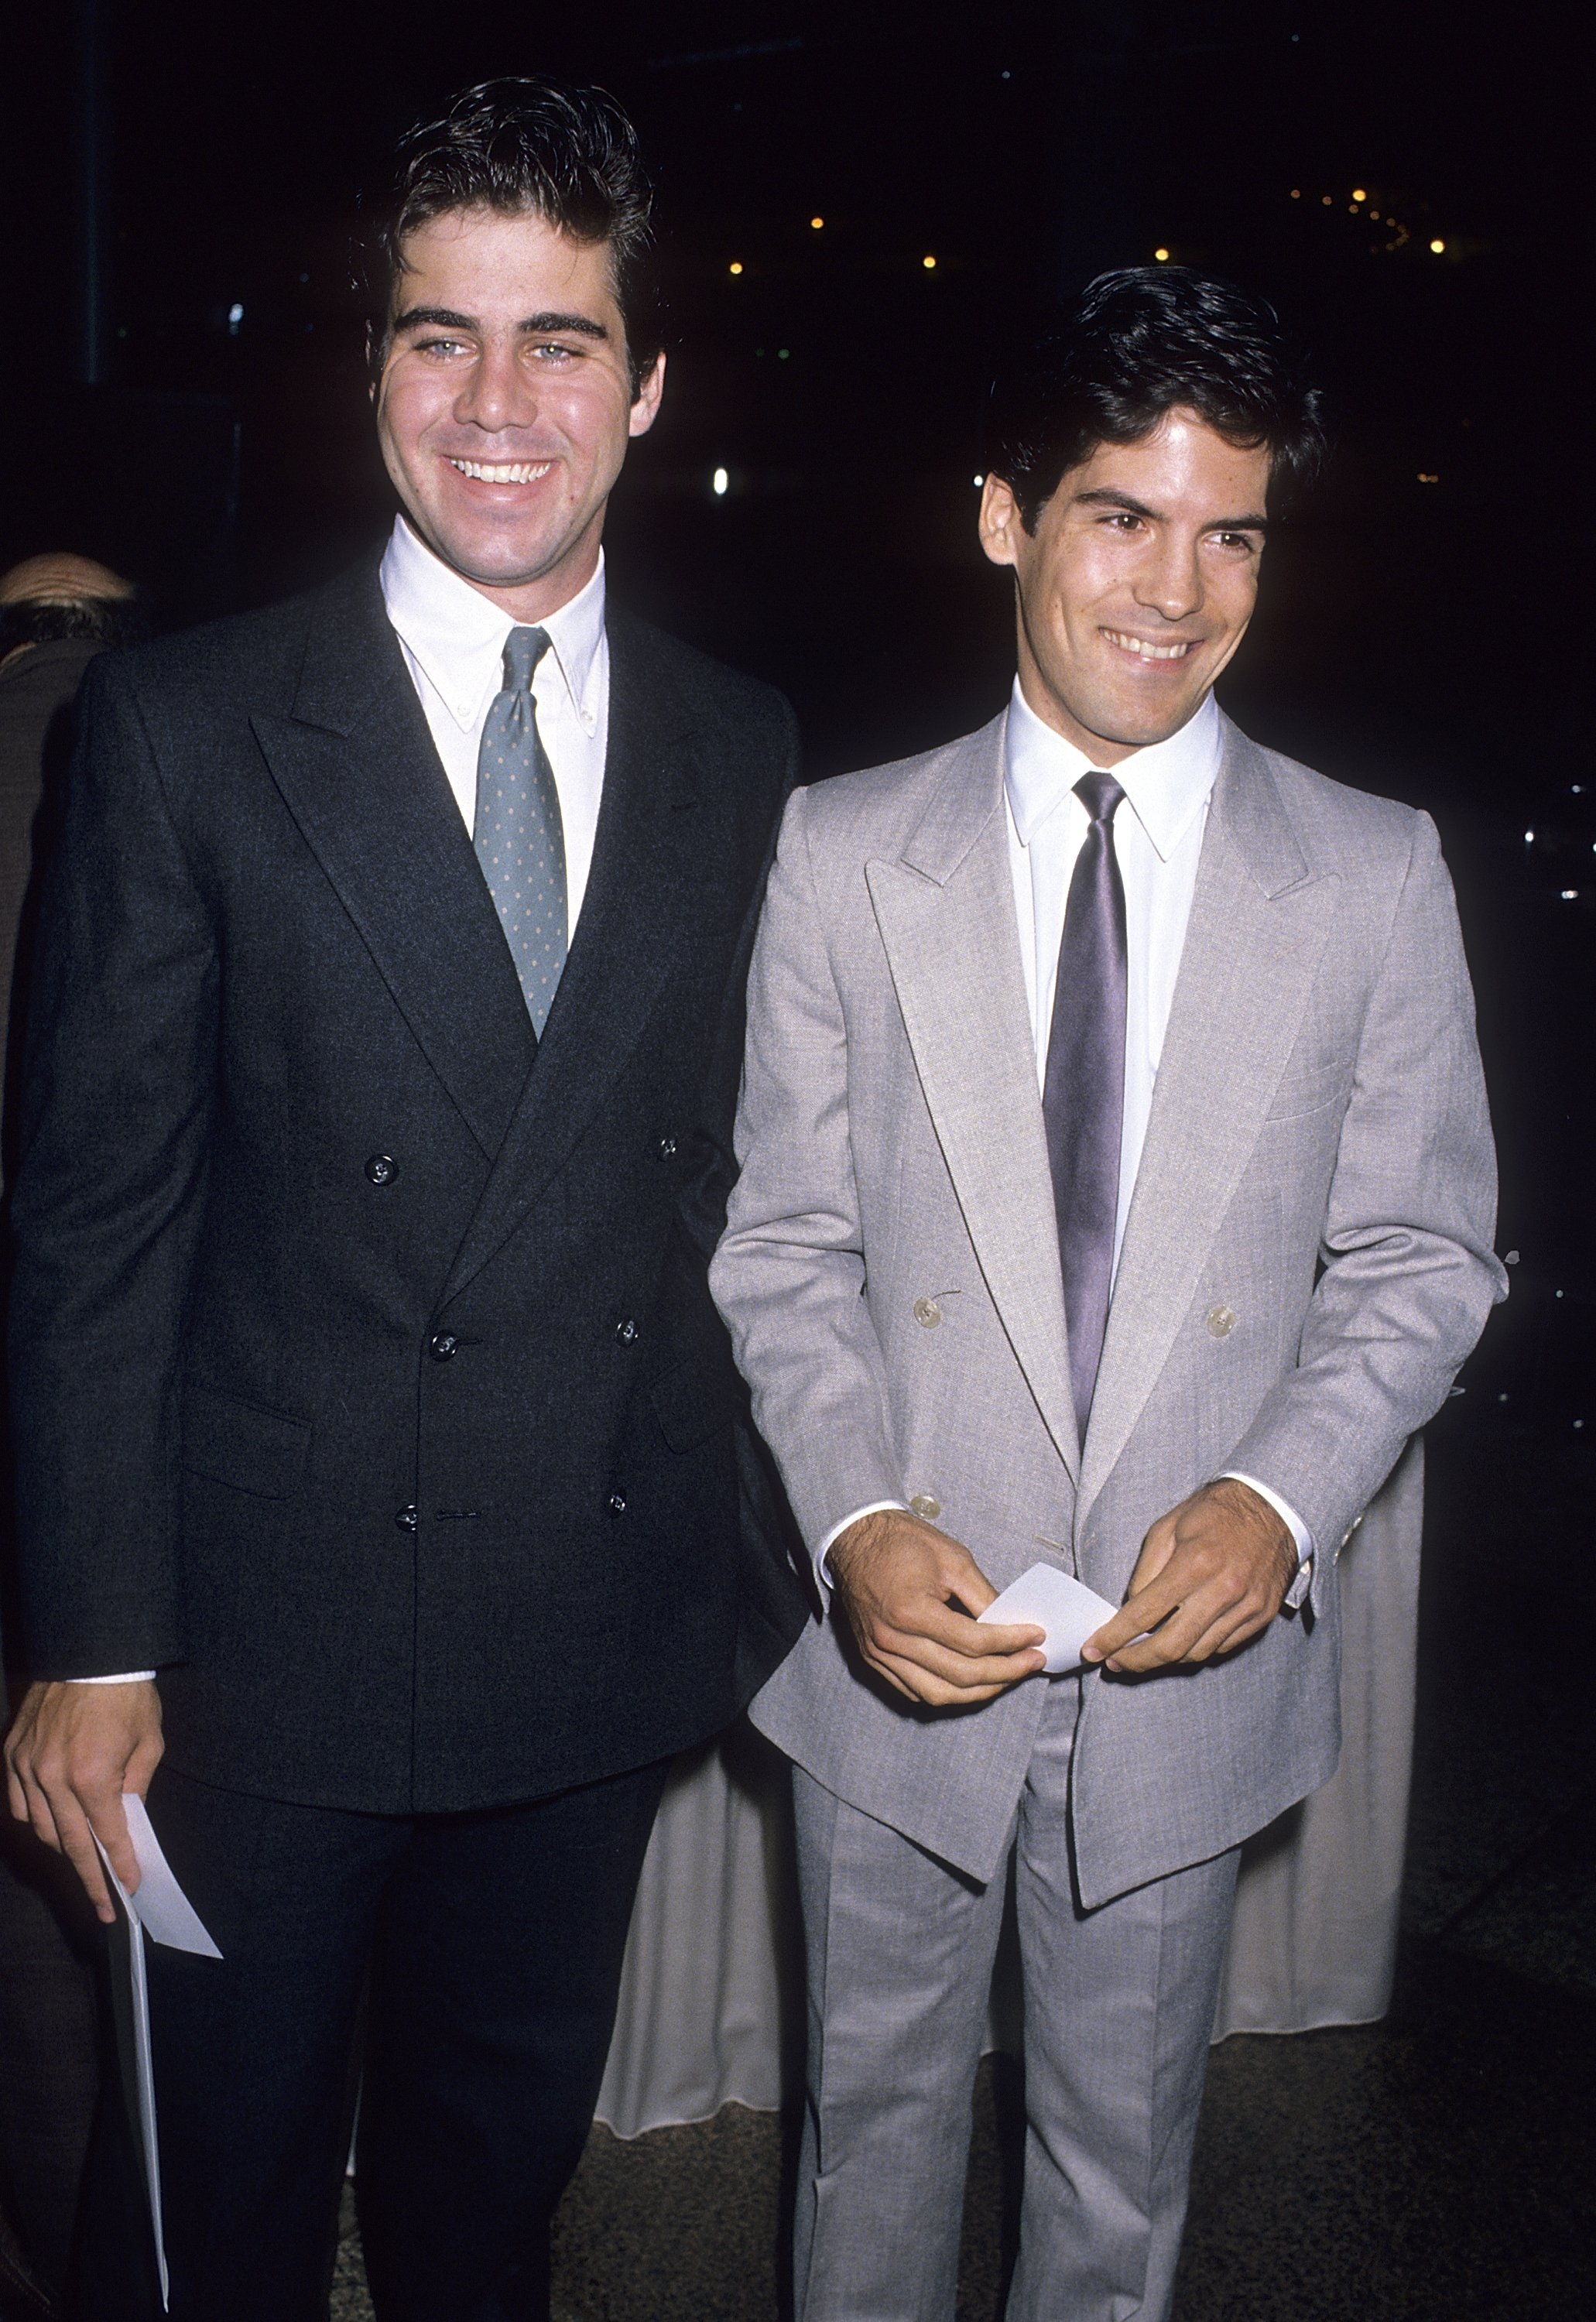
x,y
519,838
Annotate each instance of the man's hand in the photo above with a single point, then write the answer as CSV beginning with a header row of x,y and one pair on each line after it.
x,y
71,1752
901,1583
1211,1575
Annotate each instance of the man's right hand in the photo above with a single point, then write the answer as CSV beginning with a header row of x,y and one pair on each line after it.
x,y
901,1583
71,1752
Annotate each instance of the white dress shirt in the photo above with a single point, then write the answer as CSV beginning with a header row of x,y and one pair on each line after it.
x,y
453,643
1157,841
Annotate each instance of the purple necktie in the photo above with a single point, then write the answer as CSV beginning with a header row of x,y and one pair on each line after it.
x,y
1083,1094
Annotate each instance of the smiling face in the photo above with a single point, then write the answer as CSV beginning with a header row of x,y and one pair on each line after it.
x,y
504,403
1137,585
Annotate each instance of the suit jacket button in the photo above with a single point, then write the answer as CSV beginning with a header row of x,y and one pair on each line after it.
x,y
382,1169
406,1519
927,1312
442,1345
1221,1321
666,1148
616,1504
626,1332
924,1506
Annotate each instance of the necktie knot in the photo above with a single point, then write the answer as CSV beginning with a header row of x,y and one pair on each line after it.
x,y
524,649
1099,794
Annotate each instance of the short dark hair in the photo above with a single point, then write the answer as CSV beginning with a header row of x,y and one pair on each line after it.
x,y
520,147
1144,340
42,620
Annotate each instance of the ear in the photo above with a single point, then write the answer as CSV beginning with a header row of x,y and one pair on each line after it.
x,y
646,409
1000,523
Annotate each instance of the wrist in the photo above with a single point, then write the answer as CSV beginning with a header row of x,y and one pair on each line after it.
x,y
853,1541
1239,1497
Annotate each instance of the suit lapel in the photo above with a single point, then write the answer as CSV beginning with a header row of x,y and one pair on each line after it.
x,y
1258,926
357,769
639,912
945,911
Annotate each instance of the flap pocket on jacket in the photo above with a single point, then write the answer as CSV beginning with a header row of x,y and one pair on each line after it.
x,y
238,1443
689,1405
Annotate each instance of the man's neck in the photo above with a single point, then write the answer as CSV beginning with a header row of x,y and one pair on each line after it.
x,y
1099,749
528,602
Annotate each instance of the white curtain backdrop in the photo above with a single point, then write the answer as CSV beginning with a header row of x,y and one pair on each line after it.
x,y
711,1996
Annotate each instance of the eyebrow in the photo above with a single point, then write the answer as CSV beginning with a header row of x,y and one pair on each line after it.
x,y
444,318
1104,496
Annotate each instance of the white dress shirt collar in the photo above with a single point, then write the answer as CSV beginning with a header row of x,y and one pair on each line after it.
x,y
1167,783
457,635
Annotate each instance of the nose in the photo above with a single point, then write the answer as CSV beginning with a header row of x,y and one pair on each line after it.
x,y
1169,581
498,393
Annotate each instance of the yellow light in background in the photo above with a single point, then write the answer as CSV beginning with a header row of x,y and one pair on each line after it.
x,y
1296,193
735,267
1438,245
1358,194
1375,215
1326,199
1160,254
929,263
816,223
719,482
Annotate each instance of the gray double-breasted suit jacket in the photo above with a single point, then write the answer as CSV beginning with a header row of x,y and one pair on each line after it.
x,y
1306,1261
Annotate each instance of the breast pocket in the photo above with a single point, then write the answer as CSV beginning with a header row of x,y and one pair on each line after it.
x,y
259,1452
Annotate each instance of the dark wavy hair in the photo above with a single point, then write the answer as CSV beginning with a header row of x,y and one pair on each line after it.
x,y
525,147
1144,340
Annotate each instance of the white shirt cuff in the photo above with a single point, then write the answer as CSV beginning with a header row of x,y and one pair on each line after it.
x,y
1294,1525
132,1677
822,1571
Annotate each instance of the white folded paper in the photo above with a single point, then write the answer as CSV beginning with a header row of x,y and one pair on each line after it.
x,y
159,1905
1048,1599
160,1910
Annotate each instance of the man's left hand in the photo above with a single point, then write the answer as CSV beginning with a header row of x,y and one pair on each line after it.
x,y
1211,1575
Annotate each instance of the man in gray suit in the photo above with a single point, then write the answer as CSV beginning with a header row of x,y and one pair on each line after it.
x,y
1118,1194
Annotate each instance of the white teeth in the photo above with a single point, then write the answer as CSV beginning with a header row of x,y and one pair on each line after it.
x,y
503,471
1149,652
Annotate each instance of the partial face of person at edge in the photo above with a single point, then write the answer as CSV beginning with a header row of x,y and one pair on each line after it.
x,y
1138,584
504,403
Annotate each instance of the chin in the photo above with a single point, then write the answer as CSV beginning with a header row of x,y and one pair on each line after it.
x,y
1139,727
494,561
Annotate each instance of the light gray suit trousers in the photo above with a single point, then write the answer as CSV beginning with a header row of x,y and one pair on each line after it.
x,y
1119,2002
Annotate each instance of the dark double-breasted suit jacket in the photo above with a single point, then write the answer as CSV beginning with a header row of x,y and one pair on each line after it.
x,y
364,1379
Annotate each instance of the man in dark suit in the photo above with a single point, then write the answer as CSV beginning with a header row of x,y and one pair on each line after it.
x,y
366,1387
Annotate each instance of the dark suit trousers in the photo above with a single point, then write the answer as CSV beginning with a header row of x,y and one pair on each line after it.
x,y
488,1950
49,2054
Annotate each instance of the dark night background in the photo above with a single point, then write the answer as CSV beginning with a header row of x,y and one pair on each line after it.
x,y
183,194
185,398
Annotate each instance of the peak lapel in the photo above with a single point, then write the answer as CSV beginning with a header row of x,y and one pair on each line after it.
x,y
357,769
638,912
945,911
1259,922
